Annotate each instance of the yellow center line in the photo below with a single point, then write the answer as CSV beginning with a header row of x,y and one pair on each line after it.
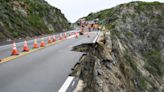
x,y
25,53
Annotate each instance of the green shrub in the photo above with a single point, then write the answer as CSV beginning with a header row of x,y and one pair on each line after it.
x,y
15,34
153,62
129,34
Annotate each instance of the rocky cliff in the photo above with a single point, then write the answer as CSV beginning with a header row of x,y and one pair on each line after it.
x,y
129,54
26,18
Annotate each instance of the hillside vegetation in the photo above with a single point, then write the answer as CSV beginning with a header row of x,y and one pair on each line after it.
x,y
27,18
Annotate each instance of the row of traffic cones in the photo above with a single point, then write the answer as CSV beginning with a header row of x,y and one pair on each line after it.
x,y
35,44
25,47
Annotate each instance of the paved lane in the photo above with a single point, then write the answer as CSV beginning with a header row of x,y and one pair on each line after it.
x,y
41,71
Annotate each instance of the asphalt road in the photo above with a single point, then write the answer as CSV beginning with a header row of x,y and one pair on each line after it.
x,y
44,70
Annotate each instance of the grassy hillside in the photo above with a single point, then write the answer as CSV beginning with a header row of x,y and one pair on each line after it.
x,y
25,18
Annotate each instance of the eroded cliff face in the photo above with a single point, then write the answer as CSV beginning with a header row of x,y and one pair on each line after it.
x,y
129,55
27,18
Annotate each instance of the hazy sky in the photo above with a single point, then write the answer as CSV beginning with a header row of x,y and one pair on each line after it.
x,y
75,9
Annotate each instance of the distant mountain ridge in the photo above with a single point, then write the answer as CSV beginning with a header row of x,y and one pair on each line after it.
x,y
27,18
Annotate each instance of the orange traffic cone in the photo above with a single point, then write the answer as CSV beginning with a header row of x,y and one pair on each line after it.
x,y
60,37
42,44
14,51
76,34
35,43
49,39
54,39
65,35
25,47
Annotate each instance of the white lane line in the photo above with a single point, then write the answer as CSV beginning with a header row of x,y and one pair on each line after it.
x,y
73,83
94,41
66,84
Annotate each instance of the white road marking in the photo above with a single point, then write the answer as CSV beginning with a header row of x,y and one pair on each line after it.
x,y
66,84
73,83
94,41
